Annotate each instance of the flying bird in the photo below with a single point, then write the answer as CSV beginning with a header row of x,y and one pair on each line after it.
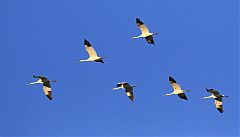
x,y
145,32
218,98
46,85
177,89
92,53
128,89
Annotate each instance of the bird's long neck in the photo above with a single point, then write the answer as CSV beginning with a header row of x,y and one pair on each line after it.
x,y
135,37
117,88
168,94
208,97
37,82
84,60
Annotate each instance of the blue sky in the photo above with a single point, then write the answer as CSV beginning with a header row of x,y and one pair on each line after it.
x,y
197,45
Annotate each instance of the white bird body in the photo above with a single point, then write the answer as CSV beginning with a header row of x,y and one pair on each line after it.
x,y
175,92
92,53
46,85
144,32
90,59
218,99
128,89
143,35
177,89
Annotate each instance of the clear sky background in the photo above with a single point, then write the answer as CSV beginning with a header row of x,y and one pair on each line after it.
x,y
197,45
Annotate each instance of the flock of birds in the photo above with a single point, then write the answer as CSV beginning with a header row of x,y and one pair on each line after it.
x,y
93,57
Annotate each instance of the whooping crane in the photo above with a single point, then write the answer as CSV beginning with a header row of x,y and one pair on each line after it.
x,y
145,32
92,53
128,89
177,89
218,99
46,85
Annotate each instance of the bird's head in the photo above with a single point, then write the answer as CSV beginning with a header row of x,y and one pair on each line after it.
x,y
134,86
224,96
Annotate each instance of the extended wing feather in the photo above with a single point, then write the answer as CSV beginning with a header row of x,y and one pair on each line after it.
x,y
142,26
90,50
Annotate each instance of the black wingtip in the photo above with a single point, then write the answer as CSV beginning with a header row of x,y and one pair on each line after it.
x,y
139,21
132,99
50,98
99,60
171,79
207,89
34,76
151,42
220,110
87,43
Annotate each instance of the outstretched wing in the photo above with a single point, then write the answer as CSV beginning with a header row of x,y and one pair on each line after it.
x,y
47,90
174,84
218,105
130,95
142,26
120,84
149,39
90,50
212,91
40,77
182,96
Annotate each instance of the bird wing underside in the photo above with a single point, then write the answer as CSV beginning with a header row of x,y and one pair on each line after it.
x,y
214,92
149,39
48,92
182,96
126,85
175,86
40,77
130,95
143,28
218,105
91,52
219,99
120,84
